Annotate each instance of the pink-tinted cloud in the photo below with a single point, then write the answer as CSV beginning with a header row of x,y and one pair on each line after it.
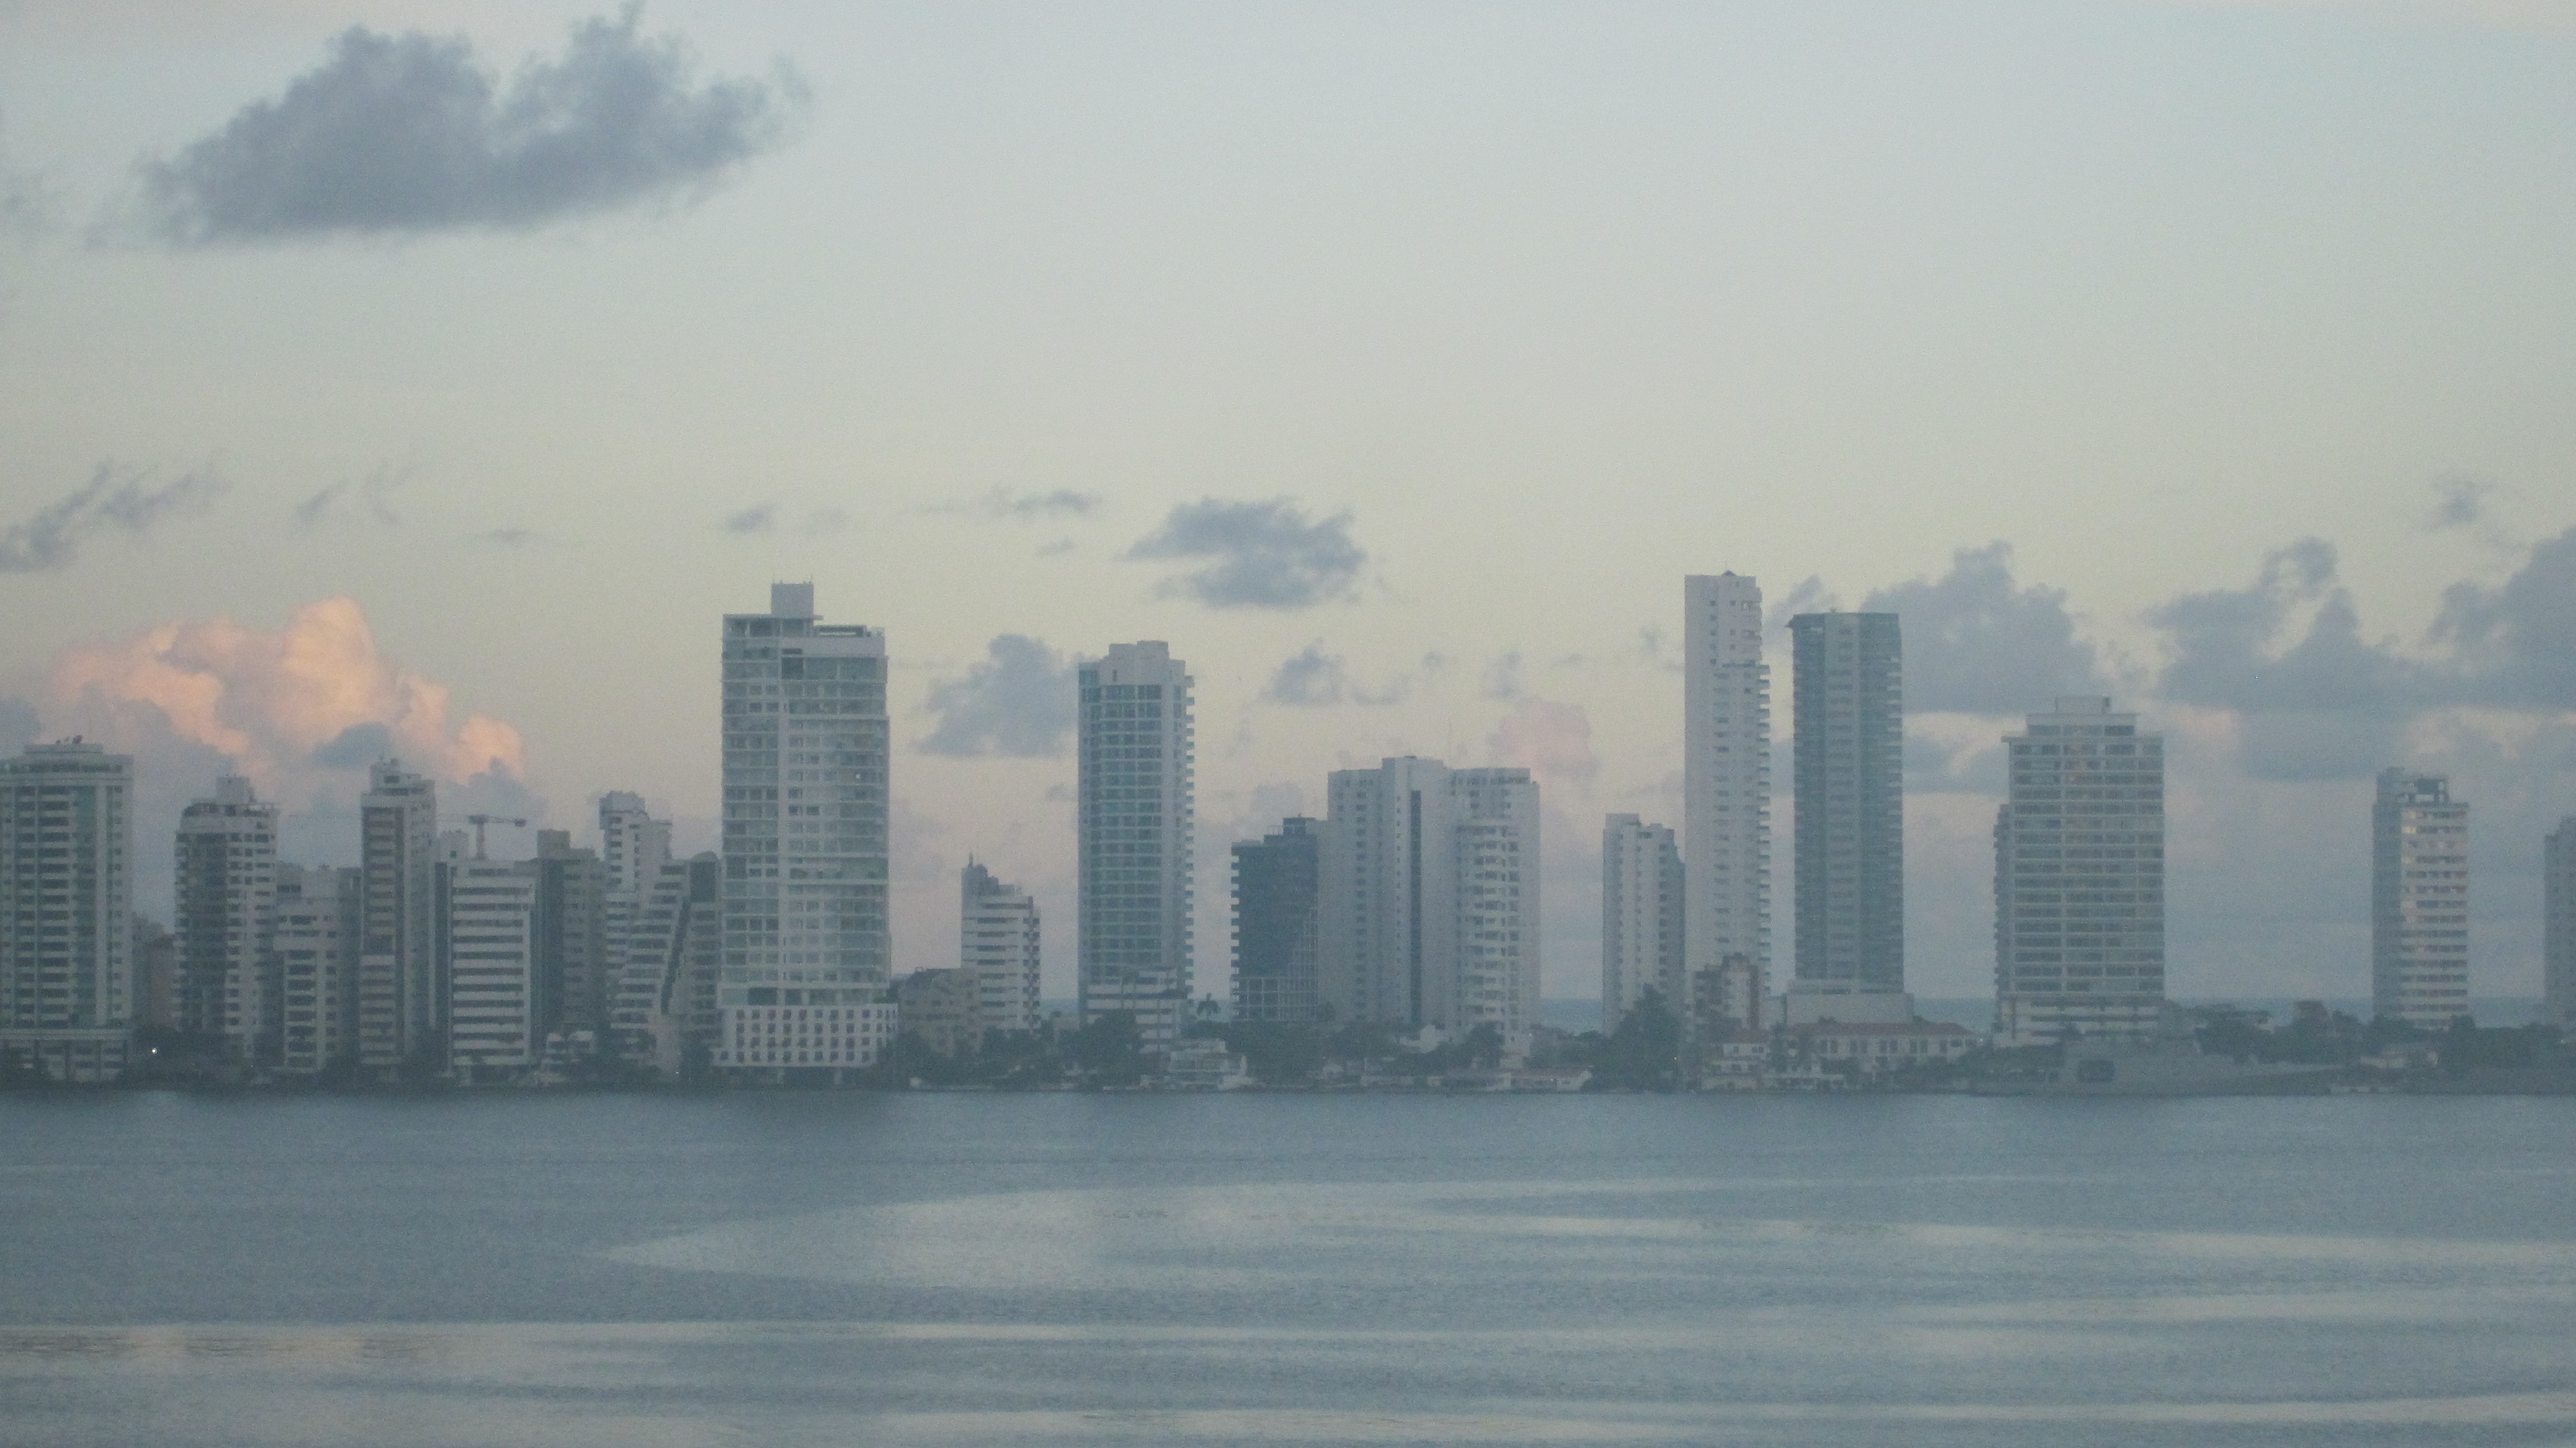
x,y
1549,739
270,701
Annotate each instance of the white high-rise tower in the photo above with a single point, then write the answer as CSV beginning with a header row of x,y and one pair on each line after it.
x,y
1132,853
1726,786
806,944
2419,916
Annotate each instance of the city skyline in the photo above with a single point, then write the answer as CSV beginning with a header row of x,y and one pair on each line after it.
x,y
1363,380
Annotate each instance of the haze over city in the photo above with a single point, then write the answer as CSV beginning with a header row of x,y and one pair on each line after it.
x,y
1393,365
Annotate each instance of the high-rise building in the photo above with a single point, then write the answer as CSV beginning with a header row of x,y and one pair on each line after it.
x,y
1849,786
667,1015
572,982
2419,901
632,844
1642,887
224,896
997,947
313,937
1277,925
2558,927
2080,878
66,910
1428,906
1133,859
633,847
1726,780
493,1026
805,802
401,999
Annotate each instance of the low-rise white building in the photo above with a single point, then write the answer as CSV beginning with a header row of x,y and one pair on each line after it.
x,y
788,1034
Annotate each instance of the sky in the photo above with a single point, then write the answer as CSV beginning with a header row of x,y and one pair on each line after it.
x,y
428,376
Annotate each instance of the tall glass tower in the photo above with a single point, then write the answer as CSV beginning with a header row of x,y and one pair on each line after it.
x,y
806,944
1849,695
1133,853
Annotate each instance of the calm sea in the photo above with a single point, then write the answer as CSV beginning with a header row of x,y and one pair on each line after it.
x,y
966,1269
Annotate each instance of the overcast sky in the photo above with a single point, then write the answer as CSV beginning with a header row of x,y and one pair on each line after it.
x,y
428,375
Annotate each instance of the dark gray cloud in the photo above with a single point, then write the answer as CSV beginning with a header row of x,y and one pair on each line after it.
x,y
2318,700
1018,703
19,724
1268,554
2327,704
761,519
411,134
1060,503
2515,645
2457,502
509,537
371,496
1503,677
1978,643
113,497
356,747
1315,679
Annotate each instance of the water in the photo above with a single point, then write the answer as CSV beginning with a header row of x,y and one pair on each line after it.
x,y
971,1269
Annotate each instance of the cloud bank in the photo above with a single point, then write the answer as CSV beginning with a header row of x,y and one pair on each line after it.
x,y
288,708
1267,554
1315,679
1017,703
1978,643
112,498
409,134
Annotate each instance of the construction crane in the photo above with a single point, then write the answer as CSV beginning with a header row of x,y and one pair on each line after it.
x,y
479,821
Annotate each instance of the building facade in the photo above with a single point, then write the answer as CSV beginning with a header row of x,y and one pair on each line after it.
x,y
2419,901
1277,924
2558,926
997,947
805,801
667,1014
1726,780
1642,889
1848,700
1428,901
493,1031
938,1009
224,898
66,910
573,976
1134,823
400,997
2080,878
314,940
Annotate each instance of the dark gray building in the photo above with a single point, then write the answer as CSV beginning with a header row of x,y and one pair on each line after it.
x,y
1849,693
1276,899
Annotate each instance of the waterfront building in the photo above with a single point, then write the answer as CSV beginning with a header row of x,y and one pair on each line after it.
x,y
667,1014
1848,771
997,947
937,1008
399,995
633,847
1134,821
1277,924
492,1014
1642,888
2080,878
1429,899
66,910
223,897
313,938
1726,780
573,977
805,801
2558,928
2419,901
